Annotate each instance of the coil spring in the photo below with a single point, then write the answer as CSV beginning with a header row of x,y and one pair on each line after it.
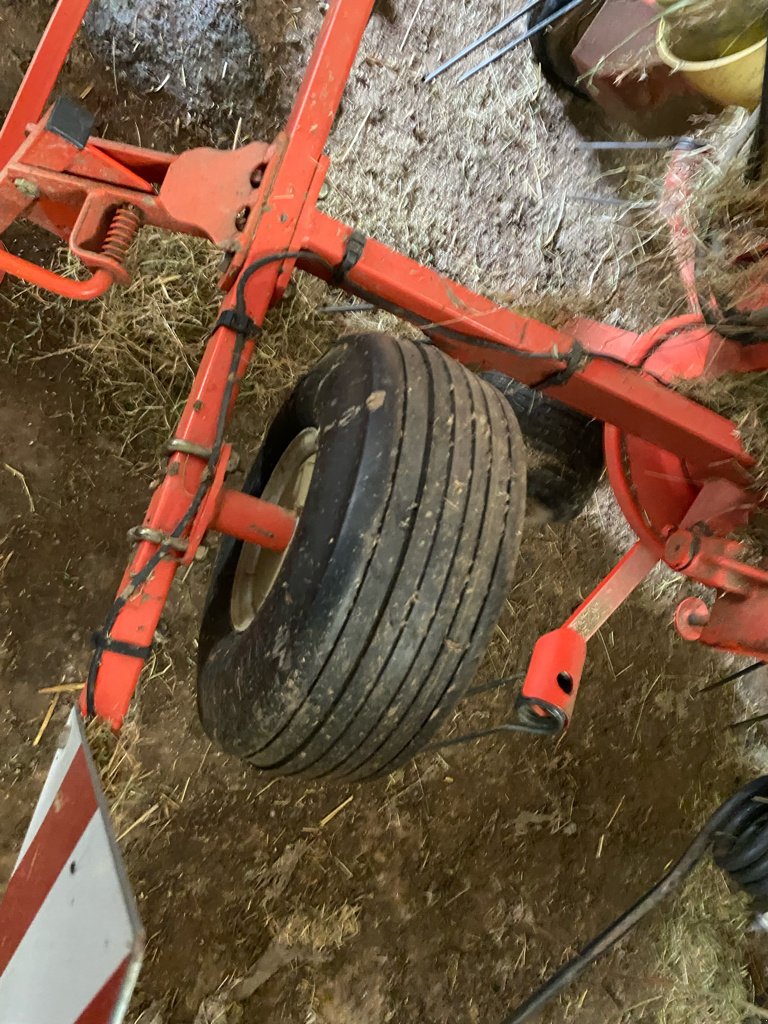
x,y
741,845
121,232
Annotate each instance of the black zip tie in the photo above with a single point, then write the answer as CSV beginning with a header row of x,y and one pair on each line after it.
x,y
236,321
109,644
353,251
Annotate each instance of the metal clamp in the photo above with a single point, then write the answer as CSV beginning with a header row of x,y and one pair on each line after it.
x,y
177,445
146,533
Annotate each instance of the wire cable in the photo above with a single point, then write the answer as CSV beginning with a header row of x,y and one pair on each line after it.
x,y
103,640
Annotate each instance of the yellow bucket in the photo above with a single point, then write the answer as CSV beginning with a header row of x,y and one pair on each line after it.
x,y
735,80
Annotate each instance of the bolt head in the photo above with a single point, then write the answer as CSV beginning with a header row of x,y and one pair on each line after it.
x,y
691,618
680,549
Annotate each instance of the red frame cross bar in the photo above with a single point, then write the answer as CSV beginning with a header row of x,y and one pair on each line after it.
x,y
259,204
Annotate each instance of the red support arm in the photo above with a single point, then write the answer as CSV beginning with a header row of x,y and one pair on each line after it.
x,y
477,332
43,70
91,288
325,80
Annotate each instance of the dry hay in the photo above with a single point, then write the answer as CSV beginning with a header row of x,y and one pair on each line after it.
x,y
742,398
729,215
708,29
699,949
695,30
319,929
726,213
730,218
141,345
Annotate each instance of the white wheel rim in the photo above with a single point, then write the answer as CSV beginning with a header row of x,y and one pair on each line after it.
x,y
257,567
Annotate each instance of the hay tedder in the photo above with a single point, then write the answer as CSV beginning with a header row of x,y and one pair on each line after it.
x,y
367,554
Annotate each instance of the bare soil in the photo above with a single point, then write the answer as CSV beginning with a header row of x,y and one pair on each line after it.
x,y
445,892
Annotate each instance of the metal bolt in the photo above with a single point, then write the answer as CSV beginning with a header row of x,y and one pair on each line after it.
x,y
241,218
323,193
691,618
680,549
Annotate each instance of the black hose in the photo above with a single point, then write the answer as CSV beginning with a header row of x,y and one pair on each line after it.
x,y
103,640
738,831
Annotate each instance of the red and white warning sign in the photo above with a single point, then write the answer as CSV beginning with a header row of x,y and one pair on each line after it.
x,y
70,937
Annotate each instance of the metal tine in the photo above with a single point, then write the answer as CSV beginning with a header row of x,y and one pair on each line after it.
x,y
347,307
467,737
749,721
642,144
733,677
499,27
534,30
495,684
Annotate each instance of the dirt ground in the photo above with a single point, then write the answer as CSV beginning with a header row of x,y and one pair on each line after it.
x,y
445,892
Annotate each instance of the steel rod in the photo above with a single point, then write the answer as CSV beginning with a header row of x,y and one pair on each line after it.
x,y
608,145
534,30
498,27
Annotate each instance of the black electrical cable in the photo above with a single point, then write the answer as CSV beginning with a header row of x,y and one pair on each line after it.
x,y
737,834
102,640
576,358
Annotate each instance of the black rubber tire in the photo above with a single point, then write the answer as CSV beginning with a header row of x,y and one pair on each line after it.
x,y
397,572
558,69
565,451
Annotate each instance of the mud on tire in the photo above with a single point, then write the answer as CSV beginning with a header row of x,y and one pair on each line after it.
x,y
402,557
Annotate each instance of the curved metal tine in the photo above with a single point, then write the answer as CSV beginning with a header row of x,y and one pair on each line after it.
x,y
732,677
499,27
469,736
495,684
749,721
532,31
609,144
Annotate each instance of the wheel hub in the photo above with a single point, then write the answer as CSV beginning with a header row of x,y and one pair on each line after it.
x,y
258,568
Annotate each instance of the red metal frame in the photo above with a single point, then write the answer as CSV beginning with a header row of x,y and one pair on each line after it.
x,y
663,448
